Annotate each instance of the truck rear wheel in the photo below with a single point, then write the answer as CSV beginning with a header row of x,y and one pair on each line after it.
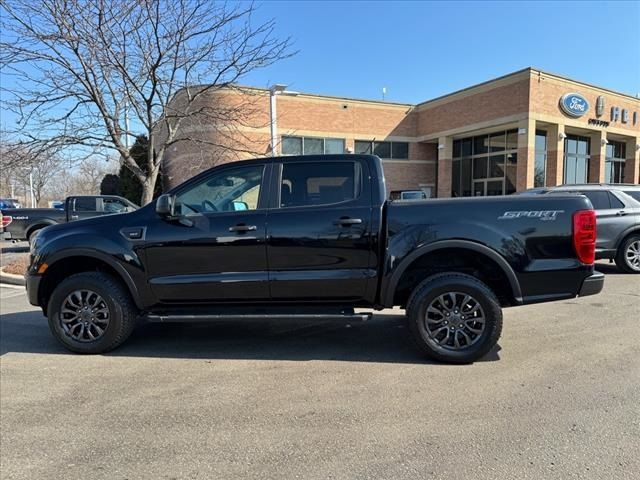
x,y
91,312
454,318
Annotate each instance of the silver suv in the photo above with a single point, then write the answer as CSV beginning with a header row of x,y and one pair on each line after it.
x,y
618,215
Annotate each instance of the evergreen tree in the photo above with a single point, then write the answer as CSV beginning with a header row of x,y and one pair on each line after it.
x,y
130,187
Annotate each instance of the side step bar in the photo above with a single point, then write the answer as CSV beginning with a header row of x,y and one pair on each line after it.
x,y
170,318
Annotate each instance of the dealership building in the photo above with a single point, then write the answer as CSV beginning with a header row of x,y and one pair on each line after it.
x,y
526,129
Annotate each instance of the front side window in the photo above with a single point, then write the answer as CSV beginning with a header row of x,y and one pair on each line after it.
x,y
113,205
308,184
234,189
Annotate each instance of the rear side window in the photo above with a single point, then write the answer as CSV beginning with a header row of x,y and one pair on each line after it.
x,y
85,204
307,184
634,194
615,202
599,199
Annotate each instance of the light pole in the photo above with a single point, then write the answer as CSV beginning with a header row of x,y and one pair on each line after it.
x,y
277,89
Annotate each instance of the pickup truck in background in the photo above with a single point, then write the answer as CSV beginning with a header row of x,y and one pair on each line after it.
x,y
313,237
24,223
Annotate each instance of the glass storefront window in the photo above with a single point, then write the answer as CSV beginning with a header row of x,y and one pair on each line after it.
x,y
496,166
334,145
497,142
385,150
512,139
363,147
399,150
311,145
485,173
540,167
615,162
576,159
480,144
466,147
292,145
511,170
382,149
480,167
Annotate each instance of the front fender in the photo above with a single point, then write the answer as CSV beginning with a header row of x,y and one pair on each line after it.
x,y
116,255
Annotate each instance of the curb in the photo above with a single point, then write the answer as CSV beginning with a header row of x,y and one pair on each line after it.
x,y
11,279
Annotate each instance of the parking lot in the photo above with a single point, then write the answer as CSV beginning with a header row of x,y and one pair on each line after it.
x,y
559,399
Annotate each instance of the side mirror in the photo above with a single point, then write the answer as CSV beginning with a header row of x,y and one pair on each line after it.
x,y
165,205
239,206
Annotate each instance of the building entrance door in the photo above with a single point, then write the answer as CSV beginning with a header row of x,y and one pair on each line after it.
x,y
488,187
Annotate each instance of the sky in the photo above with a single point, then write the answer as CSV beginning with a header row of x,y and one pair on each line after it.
x,y
420,50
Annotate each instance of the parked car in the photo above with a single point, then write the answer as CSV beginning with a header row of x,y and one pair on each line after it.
x,y
407,195
312,237
25,223
8,203
617,209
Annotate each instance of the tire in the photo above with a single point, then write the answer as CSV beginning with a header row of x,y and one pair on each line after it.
x,y
114,313
475,325
628,254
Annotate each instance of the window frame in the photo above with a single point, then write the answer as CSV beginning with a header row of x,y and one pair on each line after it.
x,y
278,176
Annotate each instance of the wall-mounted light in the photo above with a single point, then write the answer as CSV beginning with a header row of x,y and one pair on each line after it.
x,y
441,147
604,141
638,146
562,136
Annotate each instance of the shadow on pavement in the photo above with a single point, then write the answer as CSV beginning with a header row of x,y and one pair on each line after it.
x,y
609,268
382,339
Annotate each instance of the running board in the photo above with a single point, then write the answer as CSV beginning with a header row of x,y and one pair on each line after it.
x,y
170,318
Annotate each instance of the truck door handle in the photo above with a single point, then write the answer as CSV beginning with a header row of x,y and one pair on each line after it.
x,y
74,217
241,227
621,213
346,221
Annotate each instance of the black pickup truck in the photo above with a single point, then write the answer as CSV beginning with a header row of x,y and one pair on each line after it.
x,y
313,237
24,223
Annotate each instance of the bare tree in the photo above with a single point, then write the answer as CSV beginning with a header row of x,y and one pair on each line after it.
x,y
95,73
29,169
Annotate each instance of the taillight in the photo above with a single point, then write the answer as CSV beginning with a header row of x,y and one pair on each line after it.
x,y
6,220
584,235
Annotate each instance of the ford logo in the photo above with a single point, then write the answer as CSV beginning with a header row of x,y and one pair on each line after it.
x,y
574,104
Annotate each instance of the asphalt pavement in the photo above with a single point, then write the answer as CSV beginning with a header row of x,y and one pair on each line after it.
x,y
559,399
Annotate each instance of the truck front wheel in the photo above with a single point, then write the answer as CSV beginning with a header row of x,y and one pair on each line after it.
x,y
454,318
91,312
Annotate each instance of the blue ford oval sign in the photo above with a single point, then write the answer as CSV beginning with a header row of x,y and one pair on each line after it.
x,y
574,104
